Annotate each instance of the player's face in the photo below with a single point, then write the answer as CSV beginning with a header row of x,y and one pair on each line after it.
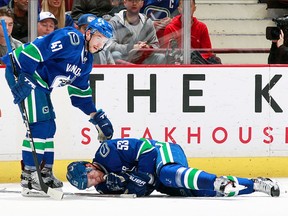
x,y
97,42
95,177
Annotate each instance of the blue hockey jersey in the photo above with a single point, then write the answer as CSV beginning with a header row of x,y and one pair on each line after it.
x,y
140,155
56,60
124,155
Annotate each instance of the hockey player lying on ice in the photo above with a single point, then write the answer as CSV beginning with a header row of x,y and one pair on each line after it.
x,y
140,166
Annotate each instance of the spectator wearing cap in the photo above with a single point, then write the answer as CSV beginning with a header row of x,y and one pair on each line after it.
x,y
83,21
102,57
46,23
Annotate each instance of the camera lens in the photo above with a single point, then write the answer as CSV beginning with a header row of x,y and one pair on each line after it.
x,y
275,33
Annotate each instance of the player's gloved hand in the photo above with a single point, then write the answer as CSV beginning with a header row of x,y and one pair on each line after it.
x,y
138,183
103,125
116,182
23,87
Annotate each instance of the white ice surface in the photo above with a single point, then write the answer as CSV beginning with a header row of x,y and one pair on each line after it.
x,y
256,204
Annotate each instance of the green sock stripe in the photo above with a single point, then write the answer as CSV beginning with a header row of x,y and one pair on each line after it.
x,y
38,145
192,177
49,144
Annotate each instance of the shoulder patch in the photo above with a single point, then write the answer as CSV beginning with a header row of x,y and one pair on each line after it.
x,y
104,150
74,38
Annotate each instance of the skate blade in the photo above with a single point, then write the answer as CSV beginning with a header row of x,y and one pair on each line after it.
x,y
26,192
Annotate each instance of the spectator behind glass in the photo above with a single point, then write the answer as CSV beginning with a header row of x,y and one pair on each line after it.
x,y
161,12
115,3
98,8
57,8
19,9
46,23
199,32
132,31
278,51
102,57
118,5
7,15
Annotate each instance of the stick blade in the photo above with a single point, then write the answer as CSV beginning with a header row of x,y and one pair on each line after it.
x,y
52,192
55,194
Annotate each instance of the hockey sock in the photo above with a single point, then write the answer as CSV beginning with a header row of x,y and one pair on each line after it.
x,y
174,175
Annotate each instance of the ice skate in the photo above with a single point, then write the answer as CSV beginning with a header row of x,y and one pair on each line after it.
x,y
267,186
225,186
30,184
49,179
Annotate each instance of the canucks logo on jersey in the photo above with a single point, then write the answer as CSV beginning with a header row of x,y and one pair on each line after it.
x,y
159,9
61,81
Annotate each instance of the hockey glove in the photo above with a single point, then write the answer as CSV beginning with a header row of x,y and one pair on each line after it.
x,y
116,182
103,126
22,88
138,183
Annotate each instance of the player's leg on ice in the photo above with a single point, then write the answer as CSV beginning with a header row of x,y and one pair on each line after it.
x,y
179,176
173,171
42,124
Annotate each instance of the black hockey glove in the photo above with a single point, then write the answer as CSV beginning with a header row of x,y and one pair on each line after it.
x,y
22,88
103,126
116,182
138,183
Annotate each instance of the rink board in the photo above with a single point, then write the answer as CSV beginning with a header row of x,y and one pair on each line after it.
x,y
224,114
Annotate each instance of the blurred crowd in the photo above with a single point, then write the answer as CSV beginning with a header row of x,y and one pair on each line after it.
x,y
144,31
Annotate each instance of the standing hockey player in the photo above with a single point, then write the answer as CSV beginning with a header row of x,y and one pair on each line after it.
x,y
138,166
63,57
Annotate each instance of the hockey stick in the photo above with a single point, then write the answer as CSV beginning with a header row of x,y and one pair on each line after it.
x,y
56,194
81,194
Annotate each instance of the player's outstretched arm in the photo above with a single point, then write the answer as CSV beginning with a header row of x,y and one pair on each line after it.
x,y
103,125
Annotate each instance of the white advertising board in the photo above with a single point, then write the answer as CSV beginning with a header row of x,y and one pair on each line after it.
x,y
210,111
